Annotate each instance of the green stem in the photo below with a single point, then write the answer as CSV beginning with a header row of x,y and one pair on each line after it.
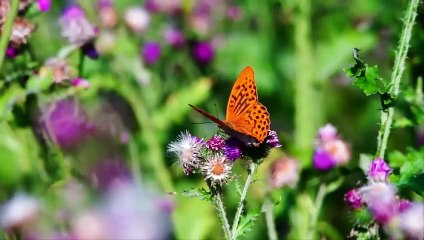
x,y
223,215
252,168
7,30
81,63
269,218
307,98
398,68
322,191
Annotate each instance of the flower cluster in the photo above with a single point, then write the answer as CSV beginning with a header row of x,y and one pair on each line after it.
x,y
330,151
399,217
215,157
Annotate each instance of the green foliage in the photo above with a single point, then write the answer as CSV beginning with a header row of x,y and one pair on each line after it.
x,y
367,78
247,222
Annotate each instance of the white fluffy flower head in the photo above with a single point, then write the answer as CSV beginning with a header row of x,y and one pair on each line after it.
x,y
187,150
217,169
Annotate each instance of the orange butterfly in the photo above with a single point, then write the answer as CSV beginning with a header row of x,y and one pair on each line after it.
x,y
246,118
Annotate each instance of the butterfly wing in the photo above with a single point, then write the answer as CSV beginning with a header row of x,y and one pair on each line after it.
x,y
244,113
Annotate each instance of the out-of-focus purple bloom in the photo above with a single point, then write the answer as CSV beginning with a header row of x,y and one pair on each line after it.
x,y
403,204
234,13
66,123
21,31
380,200
353,198
327,133
379,170
330,150
89,50
272,139
110,172
80,83
174,37
151,52
412,221
11,52
167,6
203,52
187,149
233,148
75,26
61,69
201,24
19,211
44,5
137,19
216,143
283,172
322,160
151,6
107,13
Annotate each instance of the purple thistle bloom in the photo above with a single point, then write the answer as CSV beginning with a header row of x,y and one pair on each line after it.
x,y
379,170
233,148
174,37
216,143
109,172
353,198
75,26
151,52
272,139
90,51
323,160
11,52
203,52
44,5
403,205
66,123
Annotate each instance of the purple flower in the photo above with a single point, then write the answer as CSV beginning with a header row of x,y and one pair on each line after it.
x,y
151,52
110,172
11,52
66,123
20,211
403,205
380,200
233,148
216,143
272,139
187,149
379,170
203,52
44,5
90,51
412,221
353,198
322,160
327,133
174,37
75,27
80,83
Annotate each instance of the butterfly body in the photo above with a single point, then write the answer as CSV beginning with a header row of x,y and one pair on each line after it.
x,y
246,118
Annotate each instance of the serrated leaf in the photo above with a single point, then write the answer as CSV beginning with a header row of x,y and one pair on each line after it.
x,y
201,194
247,222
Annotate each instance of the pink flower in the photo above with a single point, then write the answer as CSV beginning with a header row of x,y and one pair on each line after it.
x,y
44,5
353,198
283,172
75,27
80,83
379,170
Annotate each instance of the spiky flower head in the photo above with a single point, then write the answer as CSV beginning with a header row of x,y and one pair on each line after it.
x,y
379,170
353,198
187,149
380,200
216,143
233,148
217,169
272,139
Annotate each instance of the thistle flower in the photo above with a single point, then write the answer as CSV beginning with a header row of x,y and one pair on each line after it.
x,y
89,50
380,200
234,13
11,52
137,19
217,169
19,211
330,150
107,13
43,5
233,148
272,139
110,172
75,26
203,52
80,83
174,37
379,170
412,221
187,149
353,198
151,52
216,143
21,31
403,204
283,172
61,69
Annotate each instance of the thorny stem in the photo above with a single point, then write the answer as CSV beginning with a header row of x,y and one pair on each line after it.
x,y
252,168
398,68
322,191
269,218
222,215
7,30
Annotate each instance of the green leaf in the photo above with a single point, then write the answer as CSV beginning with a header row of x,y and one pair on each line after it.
x,y
333,186
247,221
